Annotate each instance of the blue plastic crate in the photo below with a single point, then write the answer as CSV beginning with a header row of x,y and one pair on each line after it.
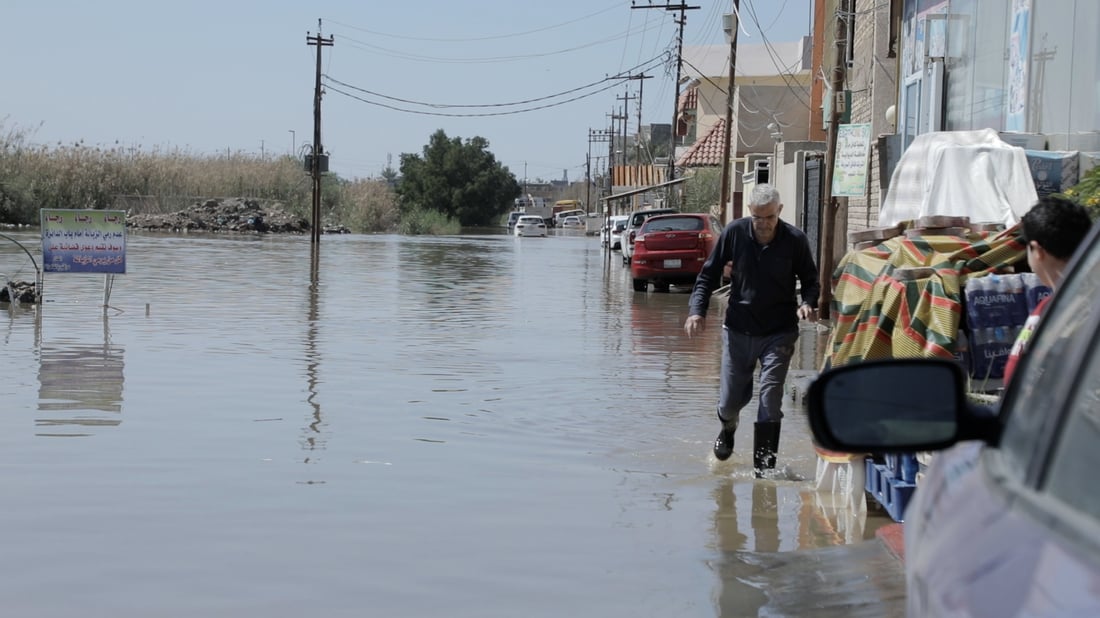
x,y
892,493
903,466
891,462
898,495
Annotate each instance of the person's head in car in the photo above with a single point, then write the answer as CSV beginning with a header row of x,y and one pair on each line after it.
x,y
1052,230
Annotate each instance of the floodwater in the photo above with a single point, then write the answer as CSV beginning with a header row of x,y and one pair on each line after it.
x,y
468,426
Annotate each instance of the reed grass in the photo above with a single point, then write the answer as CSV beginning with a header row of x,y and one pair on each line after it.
x,y
160,180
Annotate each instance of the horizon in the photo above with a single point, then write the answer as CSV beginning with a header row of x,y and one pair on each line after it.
x,y
208,78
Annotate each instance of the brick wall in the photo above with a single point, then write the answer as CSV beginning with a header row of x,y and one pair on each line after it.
x,y
872,78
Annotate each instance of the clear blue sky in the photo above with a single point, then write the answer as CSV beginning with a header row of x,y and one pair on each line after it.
x,y
210,76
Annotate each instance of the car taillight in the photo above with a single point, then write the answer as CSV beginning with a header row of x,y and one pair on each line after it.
x,y
705,236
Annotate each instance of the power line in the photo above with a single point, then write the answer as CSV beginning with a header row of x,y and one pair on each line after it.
x,y
471,115
483,60
483,38
620,77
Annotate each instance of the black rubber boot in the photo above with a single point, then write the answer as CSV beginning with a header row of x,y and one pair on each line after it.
x,y
765,444
723,444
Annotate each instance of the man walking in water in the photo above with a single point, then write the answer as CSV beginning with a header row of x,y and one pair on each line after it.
x,y
764,255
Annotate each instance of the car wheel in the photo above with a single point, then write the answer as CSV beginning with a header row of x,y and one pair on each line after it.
x,y
640,285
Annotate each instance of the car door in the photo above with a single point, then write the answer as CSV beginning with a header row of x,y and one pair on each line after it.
x,y
996,529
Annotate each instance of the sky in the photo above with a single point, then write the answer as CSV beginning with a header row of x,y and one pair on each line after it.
x,y
532,78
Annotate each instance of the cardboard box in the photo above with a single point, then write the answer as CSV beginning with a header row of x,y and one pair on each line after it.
x,y
1027,141
1053,171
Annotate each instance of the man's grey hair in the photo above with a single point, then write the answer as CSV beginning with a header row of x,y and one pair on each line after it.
x,y
762,195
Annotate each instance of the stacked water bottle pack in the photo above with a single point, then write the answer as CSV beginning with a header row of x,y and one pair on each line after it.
x,y
996,308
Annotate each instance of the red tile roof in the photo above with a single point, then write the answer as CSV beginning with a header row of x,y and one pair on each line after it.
x,y
706,152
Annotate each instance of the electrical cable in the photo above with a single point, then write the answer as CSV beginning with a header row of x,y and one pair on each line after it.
x,y
473,115
619,77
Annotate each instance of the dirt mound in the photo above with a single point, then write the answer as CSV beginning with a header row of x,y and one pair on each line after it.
x,y
236,215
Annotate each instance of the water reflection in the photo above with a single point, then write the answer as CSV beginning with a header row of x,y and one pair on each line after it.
x,y
312,436
80,385
444,401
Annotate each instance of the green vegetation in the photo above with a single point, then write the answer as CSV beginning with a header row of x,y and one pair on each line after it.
x,y
431,222
1087,192
459,179
160,181
454,183
703,190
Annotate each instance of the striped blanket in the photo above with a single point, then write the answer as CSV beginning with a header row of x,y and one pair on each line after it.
x,y
880,310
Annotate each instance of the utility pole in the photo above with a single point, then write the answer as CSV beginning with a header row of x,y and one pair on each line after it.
x,y
829,207
626,99
315,160
588,177
723,211
612,160
638,142
599,136
682,7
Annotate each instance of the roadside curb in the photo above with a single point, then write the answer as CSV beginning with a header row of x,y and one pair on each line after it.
x,y
893,537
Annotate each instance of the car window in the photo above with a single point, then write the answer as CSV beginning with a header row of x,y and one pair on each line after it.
x,y
1071,474
673,224
1047,370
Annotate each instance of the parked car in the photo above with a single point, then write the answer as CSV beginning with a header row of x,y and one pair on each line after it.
x,y
637,218
512,218
671,249
1006,520
611,235
530,225
572,222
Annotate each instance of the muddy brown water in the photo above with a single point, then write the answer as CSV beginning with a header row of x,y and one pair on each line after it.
x,y
476,425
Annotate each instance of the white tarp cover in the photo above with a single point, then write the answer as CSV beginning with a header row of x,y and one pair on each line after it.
x,y
960,173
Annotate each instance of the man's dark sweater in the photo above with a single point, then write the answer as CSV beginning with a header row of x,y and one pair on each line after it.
x,y
762,291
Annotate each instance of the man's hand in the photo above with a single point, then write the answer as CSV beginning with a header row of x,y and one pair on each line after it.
x,y
694,325
806,312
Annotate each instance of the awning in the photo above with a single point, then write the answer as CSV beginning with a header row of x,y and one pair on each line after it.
x,y
643,189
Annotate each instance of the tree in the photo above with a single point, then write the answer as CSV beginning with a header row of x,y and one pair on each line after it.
x,y
702,191
460,179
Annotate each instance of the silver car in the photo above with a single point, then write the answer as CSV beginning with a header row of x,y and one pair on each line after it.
x,y
1006,520
637,218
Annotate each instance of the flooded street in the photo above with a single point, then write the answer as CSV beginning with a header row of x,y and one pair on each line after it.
x,y
468,426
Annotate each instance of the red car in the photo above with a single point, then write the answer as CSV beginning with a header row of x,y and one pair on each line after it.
x,y
671,249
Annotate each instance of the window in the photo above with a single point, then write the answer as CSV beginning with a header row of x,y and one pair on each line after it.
x,y
1046,372
1071,475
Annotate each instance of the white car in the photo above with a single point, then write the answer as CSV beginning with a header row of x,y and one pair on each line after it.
x,y
572,222
529,225
1006,520
612,237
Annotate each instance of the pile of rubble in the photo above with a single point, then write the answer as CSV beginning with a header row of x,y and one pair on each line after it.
x,y
236,215
21,291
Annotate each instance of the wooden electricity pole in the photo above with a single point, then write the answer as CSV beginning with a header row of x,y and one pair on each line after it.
x,y
682,7
729,114
829,207
315,160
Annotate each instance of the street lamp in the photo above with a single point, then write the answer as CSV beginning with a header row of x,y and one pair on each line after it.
x,y
293,142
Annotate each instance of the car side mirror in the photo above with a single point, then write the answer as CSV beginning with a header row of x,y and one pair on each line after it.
x,y
899,405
